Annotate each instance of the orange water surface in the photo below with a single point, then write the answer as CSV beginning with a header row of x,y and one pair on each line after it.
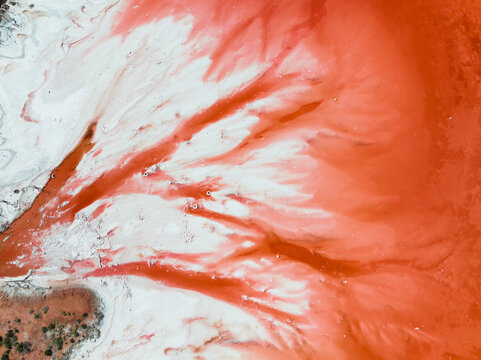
x,y
391,124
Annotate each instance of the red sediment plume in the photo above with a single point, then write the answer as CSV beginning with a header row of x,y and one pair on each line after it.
x,y
272,245
76,267
231,290
97,212
111,180
199,191
390,127
19,239
270,126
97,153
24,115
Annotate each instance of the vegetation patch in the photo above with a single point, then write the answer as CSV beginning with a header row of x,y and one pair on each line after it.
x,y
42,323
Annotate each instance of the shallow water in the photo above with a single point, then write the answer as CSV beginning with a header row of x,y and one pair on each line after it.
x,y
250,179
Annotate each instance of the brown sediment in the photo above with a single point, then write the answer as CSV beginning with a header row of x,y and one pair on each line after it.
x,y
38,323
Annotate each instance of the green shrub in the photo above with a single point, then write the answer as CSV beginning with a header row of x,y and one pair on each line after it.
x,y
59,343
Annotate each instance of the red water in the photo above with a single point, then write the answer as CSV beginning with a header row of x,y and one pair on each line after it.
x,y
391,126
